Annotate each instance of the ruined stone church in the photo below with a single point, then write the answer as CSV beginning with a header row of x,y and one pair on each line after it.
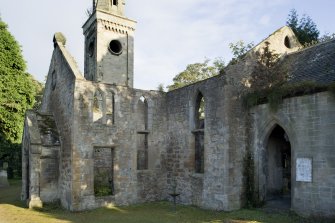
x,y
97,141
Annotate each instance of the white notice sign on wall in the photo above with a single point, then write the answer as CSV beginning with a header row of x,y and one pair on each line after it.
x,y
304,169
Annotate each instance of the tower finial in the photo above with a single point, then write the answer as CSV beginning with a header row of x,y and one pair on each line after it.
x,y
115,7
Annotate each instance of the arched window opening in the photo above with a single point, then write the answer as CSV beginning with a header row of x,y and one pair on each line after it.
x,y
91,49
278,165
97,107
53,80
110,111
142,134
199,135
142,151
142,114
200,112
287,42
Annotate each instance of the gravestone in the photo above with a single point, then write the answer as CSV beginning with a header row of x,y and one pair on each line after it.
x,y
3,179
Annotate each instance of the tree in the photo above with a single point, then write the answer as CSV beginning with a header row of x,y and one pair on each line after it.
x,y
160,87
263,77
17,94
326,37
305,29
239,49
196,72
39,91
18,90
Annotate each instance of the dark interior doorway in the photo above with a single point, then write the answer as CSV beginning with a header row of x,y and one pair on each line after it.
x,y
278,168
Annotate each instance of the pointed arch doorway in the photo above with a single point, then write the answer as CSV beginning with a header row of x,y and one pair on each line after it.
x,y
278,166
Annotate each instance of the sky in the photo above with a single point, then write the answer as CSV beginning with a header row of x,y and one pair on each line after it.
x,y
170,34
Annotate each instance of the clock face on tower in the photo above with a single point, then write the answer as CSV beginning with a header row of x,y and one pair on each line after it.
x,y
115,47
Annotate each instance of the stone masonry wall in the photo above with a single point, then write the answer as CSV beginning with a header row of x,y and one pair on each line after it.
x,y
309,122
221,185
58,100
49,174
131,185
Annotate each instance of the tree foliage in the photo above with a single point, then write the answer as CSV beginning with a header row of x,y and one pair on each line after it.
x,y
160,87
239,49
263,77
17,87
39,91
304,28
196,72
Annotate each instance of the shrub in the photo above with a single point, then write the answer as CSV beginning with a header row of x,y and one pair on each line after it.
x,y
275,95
101,191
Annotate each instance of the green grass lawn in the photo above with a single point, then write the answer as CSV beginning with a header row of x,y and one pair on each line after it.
x,y
12,210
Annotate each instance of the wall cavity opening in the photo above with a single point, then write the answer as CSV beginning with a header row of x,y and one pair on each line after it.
x,y
115,2
142,151
103,172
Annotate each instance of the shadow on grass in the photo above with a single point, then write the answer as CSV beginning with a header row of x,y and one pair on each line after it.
x,y
12,210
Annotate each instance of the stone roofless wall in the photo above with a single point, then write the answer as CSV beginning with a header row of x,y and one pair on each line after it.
x,y
40,159
220,187
107,120
58,100
309,123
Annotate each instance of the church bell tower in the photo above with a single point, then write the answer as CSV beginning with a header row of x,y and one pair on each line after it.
x,y
109,44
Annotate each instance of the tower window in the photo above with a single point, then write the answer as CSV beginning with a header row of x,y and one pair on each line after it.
x,y
115,47
91,49
114,2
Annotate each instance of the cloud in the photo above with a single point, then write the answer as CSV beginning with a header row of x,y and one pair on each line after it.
x,y
170,33
265,20
177,33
